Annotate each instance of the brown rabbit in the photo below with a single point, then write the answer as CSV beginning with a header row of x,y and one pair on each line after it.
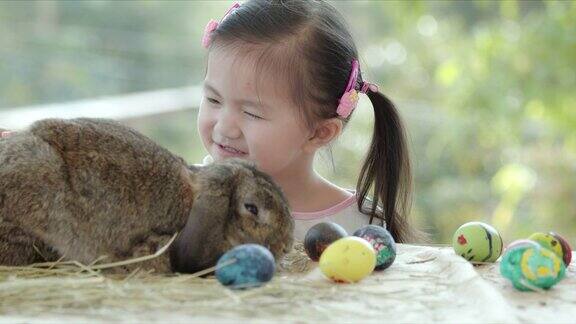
x,y
85,188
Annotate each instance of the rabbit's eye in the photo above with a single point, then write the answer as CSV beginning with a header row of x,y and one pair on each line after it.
x,y
252,209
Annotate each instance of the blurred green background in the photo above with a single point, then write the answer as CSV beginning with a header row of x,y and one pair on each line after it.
x,y
487,90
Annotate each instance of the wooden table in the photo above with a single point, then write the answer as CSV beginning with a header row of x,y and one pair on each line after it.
x,y
425,284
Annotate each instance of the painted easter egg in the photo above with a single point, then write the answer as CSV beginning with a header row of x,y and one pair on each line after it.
x,y
555,243
518,243
245,266
320,236
529,266
477,242
350,259
382,242
566,248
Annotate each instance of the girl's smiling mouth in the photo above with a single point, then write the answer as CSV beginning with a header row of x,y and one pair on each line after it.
x,y
228,151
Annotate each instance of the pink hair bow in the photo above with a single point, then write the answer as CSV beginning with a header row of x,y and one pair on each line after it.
x,y
210,27
349,99
213,24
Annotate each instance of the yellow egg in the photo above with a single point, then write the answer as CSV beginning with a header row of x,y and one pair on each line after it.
x,y
348,259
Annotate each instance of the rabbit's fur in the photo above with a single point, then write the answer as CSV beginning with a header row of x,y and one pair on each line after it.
x,y
83,188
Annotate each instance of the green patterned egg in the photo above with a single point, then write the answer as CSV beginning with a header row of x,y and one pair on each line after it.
x,y
529,266
477,242
556,243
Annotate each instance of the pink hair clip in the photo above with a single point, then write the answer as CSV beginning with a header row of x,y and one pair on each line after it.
x,y
349,99
5,133
213,24
348,102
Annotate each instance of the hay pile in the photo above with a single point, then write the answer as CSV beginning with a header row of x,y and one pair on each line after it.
x,y
74,291
425,284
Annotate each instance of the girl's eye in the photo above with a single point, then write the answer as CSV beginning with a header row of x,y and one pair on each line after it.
x,y
252,115
213,101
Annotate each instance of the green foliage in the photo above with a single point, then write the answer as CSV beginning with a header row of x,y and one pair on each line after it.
x,y
492,128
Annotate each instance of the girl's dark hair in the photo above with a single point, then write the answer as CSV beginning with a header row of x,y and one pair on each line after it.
x,y
307,44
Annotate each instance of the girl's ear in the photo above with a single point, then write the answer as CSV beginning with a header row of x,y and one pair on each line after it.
x,y
324,132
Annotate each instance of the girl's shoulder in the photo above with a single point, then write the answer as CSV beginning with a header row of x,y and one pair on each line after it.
x,y
345,214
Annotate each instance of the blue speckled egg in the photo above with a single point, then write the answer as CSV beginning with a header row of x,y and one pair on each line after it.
x,y
254,265
382,242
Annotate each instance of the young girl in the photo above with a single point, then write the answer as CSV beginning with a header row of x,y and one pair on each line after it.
x,y
282,81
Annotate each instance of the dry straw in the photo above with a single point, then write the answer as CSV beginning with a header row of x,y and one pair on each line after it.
x,y
429,282
75,291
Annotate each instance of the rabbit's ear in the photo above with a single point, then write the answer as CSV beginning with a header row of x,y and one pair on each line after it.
x,y
196,247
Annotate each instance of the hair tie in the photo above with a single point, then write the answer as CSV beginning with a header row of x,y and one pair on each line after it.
x,y
368,86
213,24
349,99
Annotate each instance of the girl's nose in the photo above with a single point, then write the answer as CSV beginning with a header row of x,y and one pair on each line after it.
x,y
227,125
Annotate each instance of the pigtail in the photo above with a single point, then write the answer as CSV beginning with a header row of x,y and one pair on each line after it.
x,y
386,170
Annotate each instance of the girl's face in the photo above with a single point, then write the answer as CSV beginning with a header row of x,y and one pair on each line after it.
x,y
243,115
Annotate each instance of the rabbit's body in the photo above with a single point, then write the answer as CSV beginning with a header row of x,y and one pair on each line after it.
x,y
86,188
